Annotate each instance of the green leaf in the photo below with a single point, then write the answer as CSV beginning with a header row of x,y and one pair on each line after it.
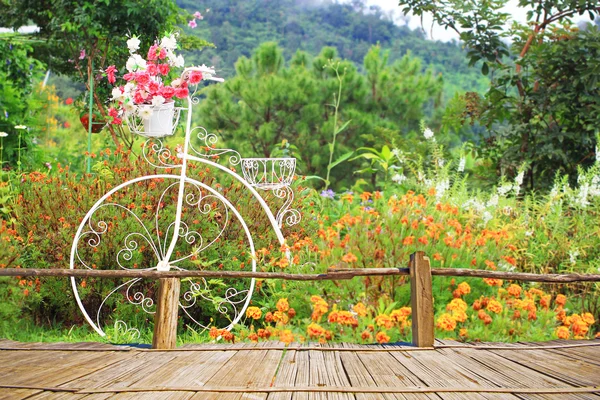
x,y
341,159
341,128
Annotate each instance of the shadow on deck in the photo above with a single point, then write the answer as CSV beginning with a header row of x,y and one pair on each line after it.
x,y
557,369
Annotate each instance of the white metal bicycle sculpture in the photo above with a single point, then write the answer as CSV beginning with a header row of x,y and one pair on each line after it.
x,y
182,223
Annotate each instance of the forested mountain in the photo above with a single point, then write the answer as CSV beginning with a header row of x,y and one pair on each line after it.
x,y
237,27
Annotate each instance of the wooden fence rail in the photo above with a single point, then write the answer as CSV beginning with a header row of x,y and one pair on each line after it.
x,y
418,269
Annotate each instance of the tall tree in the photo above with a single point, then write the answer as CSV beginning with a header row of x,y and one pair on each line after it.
x,y
539,102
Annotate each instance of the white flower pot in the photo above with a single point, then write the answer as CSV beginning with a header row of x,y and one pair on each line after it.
x,y
161,122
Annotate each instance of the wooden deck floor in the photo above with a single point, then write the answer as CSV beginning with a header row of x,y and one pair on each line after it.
x,y
556,370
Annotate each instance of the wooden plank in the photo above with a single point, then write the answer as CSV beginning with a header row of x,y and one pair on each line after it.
x,y
421,300
564,368
17,394
359,375
436,371
286,375
388,372
165,319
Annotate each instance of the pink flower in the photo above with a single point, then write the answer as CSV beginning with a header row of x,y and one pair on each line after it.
x,y
142,78
195,77
152,69
129,76
153,87
116,121
162,54
153,52
192,24
197,15
82,54
181,92
110,74
113,112
163,69
167,92
140,96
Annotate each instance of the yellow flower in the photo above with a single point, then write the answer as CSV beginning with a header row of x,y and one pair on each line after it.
x,y
494,306
464,288
253,312
384,320
360,309
401,314
446,323
382,337
457,304
286,336
314,330
283,305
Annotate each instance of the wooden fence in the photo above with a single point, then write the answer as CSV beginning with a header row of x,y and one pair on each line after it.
x,y
419,270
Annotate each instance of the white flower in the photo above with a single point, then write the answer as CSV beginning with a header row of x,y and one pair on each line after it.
x,y
20,127
441,188
116,94
597,155
493,202
3,134
582,196
158,100
504,189
440,162
573,256
486,217
145,112
135,63
169,42
529,233
398,178
428,133
519,178
179,61
133,44
461,164
129,107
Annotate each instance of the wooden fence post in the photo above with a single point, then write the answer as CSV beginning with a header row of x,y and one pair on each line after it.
x,y
165,319
421,299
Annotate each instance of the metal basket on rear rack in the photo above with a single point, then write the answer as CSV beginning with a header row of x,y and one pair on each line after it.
x,y
269,173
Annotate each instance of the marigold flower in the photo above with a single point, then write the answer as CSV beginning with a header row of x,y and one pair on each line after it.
x,y
493,282
401,314
286,336
588,318
459,315
560,300
457,305
463,332
280,317
314,330
408,240
263,333
464,288
382,337
253,312
214,333
562,332
446,322
228,336
291,313
360,309
349,258
283,305
253,337
532,316
346,318
384,320
514,290
269,317
494,306
366,335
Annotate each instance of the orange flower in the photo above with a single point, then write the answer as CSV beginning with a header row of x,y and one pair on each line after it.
x,y
286,336
360,309
464,288
514,290
382,337
562,332
494,306
283,305
365,196
457,305
253,337
281,317
253,312
366,335
561,300
314,330
423,239
349,258
446,322
493,282
401,314
463,332
588,318
384,321
408,240
437,256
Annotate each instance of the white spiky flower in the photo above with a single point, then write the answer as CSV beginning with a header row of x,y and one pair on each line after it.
x,y
428,133
461,164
